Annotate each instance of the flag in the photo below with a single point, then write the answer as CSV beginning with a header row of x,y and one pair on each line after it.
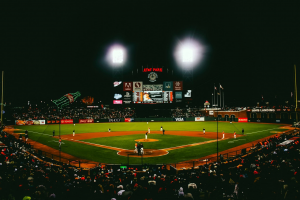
x,y
67,99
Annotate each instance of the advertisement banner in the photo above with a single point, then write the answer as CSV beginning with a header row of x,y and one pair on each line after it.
x,y
137,97
66,121
179,119
42,122
168,97
243,120
127,98
86,121
178,85
178,95
20,122
127,86
138,86
29,122
53,121
115,120
154,87
118,102
129,119
199,119
168,86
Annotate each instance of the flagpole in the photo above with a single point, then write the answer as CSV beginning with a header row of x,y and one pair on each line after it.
x,y
296,93
220,97
217,99
2,99
214,95
223,100
212,99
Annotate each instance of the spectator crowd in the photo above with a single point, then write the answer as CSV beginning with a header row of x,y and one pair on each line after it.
x,y
270,171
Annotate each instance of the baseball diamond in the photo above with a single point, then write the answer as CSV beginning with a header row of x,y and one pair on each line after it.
x,y
182,141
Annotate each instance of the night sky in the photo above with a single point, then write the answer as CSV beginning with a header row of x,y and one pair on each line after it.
x,y
50,49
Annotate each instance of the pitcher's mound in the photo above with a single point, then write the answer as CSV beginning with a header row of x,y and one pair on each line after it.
x,y
147,153
144,140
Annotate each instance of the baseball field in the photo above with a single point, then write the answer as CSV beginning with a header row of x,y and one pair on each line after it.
x,y
182,141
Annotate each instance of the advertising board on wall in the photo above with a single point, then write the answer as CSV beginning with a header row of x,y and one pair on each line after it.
x,y
199,119
178,85
168,86
129,120
86,121
137,86
30,122
137,97
114,120
168,97
127,98
243,120
117,101
127,86
153,87
66,121
179,119
53,121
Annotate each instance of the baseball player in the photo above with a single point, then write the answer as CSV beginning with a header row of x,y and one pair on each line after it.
x,y
59,142
26,135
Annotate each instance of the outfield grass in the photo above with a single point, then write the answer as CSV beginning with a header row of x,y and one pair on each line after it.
x,y
43,135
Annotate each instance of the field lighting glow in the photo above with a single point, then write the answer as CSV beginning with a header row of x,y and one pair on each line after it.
x,y
188,53
116,55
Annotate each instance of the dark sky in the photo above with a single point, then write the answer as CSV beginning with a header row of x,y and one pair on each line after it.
x,y
51,49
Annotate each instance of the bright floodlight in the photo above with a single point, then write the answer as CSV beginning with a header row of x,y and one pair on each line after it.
x,y
116,55
188,53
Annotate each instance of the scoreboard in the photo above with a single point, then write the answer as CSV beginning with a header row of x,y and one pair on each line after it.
x,y
150,89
